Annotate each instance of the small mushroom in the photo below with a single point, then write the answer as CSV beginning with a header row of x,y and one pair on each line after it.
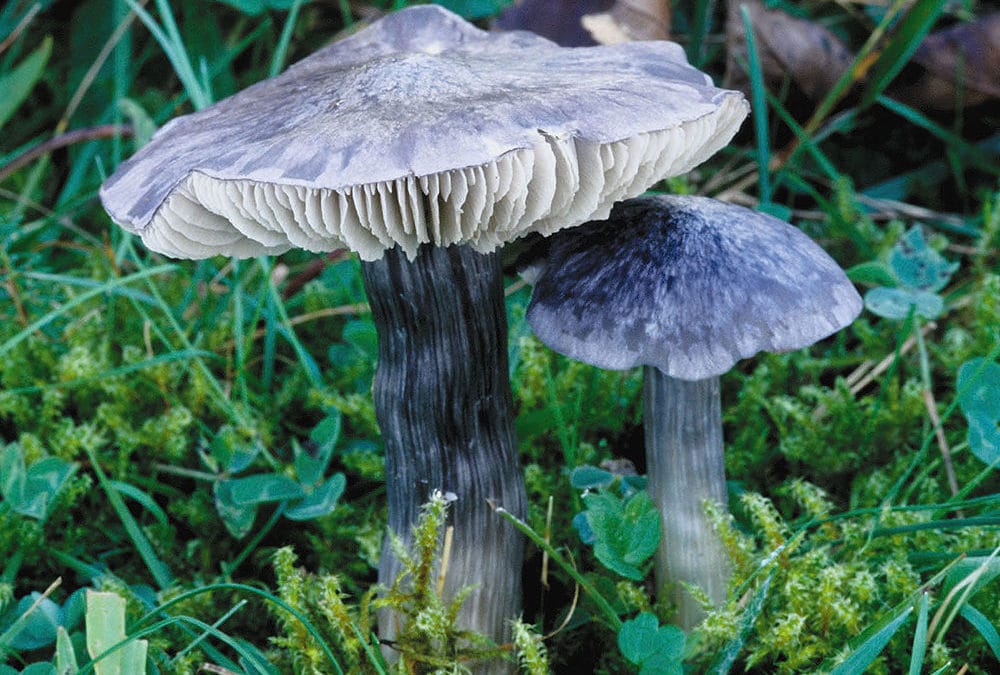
x,y
423,144
686,287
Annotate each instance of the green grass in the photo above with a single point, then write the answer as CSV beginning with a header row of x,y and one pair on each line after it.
x,y
153,413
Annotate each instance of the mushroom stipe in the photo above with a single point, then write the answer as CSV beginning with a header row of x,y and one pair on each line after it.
x,y
443,402
685,287
424,144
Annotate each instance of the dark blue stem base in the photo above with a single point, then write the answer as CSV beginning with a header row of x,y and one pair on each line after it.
x,y
443,402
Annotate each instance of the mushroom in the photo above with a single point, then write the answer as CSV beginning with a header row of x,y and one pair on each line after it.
x,y
686,286
423,144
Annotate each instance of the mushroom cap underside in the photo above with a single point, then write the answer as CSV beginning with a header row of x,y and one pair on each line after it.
x,y
422,129
689,285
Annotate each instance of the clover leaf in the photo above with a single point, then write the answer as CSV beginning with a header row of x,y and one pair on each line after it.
x,y
918,272
625,531
978,388
656,649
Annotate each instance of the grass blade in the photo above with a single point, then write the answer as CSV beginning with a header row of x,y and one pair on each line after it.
x,y
555,556
142,498
159,570
759,107
79,300
701,25
18,83
860,658
180,355
246,589
983,625
911,32
173,46
726,657
281,51
920,638
963,147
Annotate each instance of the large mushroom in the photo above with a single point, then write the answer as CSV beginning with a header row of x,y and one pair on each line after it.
x,y
423,144
685,287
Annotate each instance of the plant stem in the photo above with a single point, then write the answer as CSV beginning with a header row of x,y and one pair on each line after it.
x,y
609,612
685,465
443,403
931,405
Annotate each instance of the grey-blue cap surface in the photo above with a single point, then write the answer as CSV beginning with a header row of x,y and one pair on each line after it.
x,y
689,285
421,129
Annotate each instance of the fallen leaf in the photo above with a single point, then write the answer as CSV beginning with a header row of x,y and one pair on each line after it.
x,y
629,20
807,52
557,20
964,57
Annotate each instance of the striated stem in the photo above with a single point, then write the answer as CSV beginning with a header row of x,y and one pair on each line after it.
x,y
685,465
443,403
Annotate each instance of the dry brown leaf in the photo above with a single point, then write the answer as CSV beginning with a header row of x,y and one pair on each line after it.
x,y
629,20
965,57
812,56
558,20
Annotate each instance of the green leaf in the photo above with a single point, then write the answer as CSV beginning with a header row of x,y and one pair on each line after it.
x,y
143,126
985,627
40,669
28,626
327,432
256,7
984,438
254,661
626,533
916,265
43,482
657,649
308,469
74,609
919,648
20,80
237,518
726,656
105,629
362,335
65,654
12,474
643,522
895,303
265,487
320,501
636,637
588,477
474,9
874,273
142,497
986,567
779,211
978,386
230,456
861,657
582,526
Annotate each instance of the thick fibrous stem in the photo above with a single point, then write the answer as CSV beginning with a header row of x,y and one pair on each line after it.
x,y
443,402
685,465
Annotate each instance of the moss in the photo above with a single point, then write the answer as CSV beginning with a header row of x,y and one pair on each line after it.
x,y
831,580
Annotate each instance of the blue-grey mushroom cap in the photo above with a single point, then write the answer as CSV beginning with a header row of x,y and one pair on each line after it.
x,y
421,129
689,285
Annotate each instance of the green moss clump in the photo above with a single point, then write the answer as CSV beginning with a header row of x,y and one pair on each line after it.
x,y
831,577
